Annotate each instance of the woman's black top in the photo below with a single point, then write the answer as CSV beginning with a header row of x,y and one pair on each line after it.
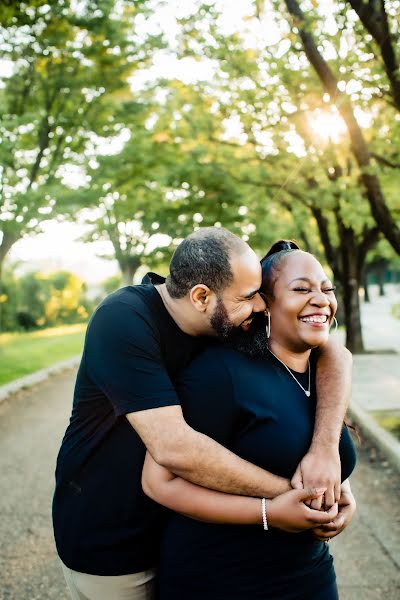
x,y
257,410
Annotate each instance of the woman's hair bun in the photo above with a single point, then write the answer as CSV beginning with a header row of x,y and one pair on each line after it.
x,y
280,246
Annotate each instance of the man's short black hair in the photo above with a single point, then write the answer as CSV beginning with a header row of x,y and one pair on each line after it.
x,y
203,257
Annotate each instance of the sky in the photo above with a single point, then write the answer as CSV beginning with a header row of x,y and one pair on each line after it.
x,y
59,248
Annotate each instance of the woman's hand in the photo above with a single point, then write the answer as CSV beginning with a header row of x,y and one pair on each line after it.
x,y
290,513
347,507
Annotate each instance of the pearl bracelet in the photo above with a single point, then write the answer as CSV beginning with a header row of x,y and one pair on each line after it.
x,y
264,513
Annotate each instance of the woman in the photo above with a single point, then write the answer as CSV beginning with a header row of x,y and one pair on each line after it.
x,y
262,408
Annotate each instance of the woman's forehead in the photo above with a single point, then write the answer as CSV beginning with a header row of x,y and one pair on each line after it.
x,y
298,265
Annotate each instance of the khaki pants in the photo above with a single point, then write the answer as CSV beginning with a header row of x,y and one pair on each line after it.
x,y
137,586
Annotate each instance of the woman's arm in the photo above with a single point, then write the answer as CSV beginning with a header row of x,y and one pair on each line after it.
x,y
287,512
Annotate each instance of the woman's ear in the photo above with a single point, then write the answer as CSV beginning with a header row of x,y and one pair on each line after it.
x,y
200,297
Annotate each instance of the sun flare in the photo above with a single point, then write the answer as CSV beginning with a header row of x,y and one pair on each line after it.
x,y
327,126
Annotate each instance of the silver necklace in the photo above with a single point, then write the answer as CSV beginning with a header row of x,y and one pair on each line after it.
x,y
307,392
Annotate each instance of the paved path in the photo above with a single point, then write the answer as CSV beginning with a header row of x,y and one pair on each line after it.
x,y
377,376
367,554
380,330
31,427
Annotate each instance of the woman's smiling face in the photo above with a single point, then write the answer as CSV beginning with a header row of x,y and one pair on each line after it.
x,y
303,303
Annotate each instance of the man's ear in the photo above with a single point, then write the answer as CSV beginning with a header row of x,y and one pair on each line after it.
x,y
200,297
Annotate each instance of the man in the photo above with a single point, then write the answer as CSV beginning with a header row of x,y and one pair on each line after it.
x,y
138,339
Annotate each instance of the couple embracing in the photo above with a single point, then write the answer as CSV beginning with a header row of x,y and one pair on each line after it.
x,y
201,402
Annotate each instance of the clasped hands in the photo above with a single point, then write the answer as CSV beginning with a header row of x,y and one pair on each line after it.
x,y
346,509
323,470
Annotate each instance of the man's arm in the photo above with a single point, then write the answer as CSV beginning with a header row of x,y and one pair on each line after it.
x,y
193,456
124,359
287,512
321,465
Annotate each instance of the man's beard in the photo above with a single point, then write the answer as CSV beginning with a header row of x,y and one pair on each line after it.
x,y
253,342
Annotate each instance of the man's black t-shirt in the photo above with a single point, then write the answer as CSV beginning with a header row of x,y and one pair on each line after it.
x,y
257,410
104,524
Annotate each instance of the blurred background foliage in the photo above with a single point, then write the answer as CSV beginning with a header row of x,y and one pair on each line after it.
x,y
43,300
291,128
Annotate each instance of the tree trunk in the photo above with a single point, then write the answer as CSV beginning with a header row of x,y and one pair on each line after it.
x,y
345,262
365,286
9,239
340,313
306,242
351,283
128,274
329,249
381,281
128,265
352,314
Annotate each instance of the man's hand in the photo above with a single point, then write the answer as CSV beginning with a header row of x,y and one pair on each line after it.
x,y
290,513
347,507
320,468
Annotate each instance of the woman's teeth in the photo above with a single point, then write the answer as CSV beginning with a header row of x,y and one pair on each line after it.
x,y
315,319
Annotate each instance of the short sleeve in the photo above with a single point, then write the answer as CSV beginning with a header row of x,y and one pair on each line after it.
x,y
207,396
152,279
123,358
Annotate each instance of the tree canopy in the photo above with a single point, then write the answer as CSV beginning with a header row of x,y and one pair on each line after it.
x,y
290,128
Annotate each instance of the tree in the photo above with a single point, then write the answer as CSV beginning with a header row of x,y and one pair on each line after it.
x,y
326,177
162,184
359,146
381,261
127,189
43,300
376,18
66,302
16,12
69,63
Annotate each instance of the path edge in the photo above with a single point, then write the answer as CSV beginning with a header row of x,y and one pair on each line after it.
x,y
9,389
385,441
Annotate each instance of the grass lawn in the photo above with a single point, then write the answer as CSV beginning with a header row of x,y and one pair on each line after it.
x,y
25,353
390,420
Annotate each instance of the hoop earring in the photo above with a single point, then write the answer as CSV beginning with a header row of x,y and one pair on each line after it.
x,y
268,324
336,325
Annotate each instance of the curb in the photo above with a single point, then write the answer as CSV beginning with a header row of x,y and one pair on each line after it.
x,y
385,441
29,380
